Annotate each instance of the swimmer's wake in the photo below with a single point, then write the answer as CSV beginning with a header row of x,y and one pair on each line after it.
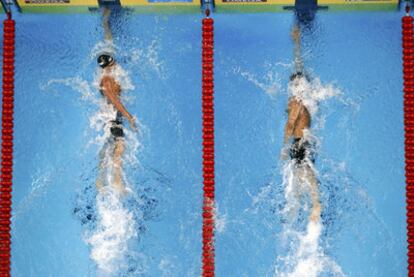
x,y
301,235
116,225
112,213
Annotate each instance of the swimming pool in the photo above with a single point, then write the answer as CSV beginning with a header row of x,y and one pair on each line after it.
x,y
355,62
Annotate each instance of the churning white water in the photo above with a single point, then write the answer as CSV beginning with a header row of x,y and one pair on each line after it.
x,y
305,255
115,226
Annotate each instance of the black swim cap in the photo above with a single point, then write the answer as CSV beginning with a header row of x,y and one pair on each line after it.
x,y
299,74
105,59
296,75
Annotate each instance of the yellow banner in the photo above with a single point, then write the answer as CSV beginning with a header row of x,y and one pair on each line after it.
x,y
162,6
134,3
256,2
353,2
362,5
193,6
57,6
252,6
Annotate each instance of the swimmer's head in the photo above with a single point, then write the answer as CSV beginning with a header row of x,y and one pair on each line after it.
x,y
298,75
105,60
297,78
299,84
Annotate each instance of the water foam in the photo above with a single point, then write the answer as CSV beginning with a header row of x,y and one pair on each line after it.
x,y
40,184
148,58
312,92
117,225
115,228
269,83
305,255
301,235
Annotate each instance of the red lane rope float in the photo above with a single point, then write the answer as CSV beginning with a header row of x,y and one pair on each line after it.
x,y
7,146
208,146
408,75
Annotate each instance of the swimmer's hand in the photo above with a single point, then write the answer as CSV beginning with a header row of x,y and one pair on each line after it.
x,y
106,12
131,121
295,34
284,155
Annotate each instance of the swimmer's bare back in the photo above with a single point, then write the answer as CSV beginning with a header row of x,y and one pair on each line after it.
x,y
112,91
299,119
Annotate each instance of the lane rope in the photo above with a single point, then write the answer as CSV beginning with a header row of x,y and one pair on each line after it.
x,y
7,145
208,265
408,75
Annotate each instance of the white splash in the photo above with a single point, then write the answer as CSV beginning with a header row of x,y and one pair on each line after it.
x,y
79,85
269,83
312,92
305,255
307,258
220,219
121,76
40,184
148,57
100,124
106,46
116,227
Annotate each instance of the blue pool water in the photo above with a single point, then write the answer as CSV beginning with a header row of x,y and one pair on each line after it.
x,y
60,227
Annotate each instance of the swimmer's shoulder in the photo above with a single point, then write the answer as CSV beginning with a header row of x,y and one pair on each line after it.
x,y
105,78
294,102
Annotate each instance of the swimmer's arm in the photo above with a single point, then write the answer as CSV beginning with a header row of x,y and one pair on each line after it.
x,y
293,115
108,91
107,28
298,56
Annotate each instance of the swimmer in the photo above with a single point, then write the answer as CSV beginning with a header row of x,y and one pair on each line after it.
x,y
111,91
298,123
